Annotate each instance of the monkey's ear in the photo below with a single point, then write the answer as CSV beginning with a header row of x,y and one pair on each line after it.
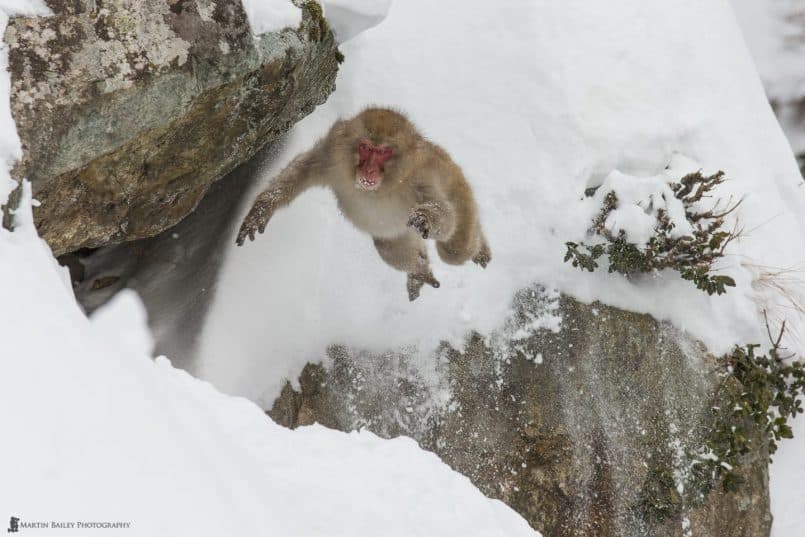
x,y
338,130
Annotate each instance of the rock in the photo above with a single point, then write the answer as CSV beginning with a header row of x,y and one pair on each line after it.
x,y
175,273
129,110
583,430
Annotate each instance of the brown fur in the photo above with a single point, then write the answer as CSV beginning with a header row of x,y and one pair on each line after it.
x,y
423,195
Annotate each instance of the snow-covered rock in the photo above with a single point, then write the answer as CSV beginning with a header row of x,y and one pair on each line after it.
x,y
348,18
579,416
271,15
128,111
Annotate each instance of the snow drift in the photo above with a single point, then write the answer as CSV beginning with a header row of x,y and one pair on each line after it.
x,y
98,432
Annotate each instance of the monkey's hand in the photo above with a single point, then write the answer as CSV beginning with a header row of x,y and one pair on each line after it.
x,y
255,221
422,219
433,219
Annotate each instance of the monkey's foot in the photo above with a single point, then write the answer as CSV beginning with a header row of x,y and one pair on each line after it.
x,y
255,221
416,281
483,257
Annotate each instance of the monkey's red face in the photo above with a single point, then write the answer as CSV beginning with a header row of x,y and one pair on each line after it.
x,y
372,160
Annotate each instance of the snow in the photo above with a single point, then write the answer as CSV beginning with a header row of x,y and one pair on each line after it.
x,y
348,18
537,101
774,33
271,15
103,433
98,433
786,476
639,201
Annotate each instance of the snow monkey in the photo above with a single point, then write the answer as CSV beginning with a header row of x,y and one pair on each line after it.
x,y
391,183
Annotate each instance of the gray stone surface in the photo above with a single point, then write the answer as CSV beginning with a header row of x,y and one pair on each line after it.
x,y
582,431
129,109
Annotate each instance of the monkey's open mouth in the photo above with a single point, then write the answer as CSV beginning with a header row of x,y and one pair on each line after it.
x,y
368,183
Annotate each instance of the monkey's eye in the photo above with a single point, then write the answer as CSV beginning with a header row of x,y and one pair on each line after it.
x,y
363,146
387,151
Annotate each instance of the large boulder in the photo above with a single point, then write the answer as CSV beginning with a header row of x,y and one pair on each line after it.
x,y
584,427
129,109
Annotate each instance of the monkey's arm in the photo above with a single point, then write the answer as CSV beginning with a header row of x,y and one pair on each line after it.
x,y
303,172
446,205
448,214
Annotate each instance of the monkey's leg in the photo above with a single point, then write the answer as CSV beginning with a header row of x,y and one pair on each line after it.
x,y
408,254
466,243
456,231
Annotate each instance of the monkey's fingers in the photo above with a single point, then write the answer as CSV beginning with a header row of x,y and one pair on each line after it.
x,y
431,280
246,230
420,222
481,259
242,234
241,237
255,221
416,281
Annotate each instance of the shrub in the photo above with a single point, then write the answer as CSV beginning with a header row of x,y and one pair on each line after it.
x,y
692,255
759,391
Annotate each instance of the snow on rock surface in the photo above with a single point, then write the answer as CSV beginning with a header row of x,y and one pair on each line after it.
x,y
98,433
537,101
348,18
271,15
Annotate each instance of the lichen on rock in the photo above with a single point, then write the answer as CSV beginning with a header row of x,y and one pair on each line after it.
x,y
128,110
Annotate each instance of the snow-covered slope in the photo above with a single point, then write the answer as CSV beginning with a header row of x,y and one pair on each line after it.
x,y
775,33
95,431
98,437
98,432
537,101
